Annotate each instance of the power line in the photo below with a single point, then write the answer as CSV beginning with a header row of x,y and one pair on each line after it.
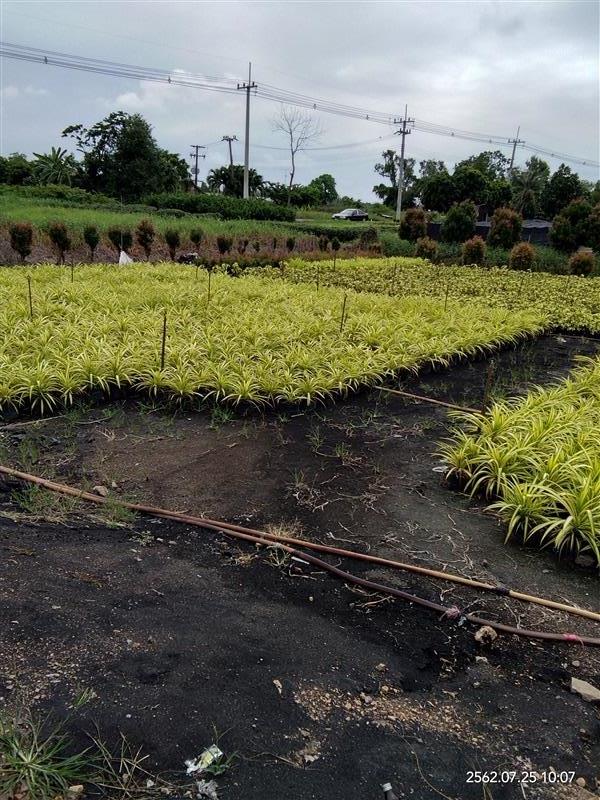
x,y
264,91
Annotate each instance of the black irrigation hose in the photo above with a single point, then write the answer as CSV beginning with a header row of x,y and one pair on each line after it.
x,y
447,612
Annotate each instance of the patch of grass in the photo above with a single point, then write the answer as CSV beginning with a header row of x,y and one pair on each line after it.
x,y
37,761
39,503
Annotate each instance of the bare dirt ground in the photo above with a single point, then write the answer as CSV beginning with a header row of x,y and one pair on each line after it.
x,y
323,692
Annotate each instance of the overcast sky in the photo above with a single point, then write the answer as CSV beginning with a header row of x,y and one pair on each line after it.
x,y
480,66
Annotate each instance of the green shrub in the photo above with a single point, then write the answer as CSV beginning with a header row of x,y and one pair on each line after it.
x,y
227,207
505,229
368,236
473,251
582,262
224,244
290,243
550,260
59,236
522,256
426,248
392,246
242,245
21,238
92,238
562,235
175,213
413,225
459,223
323,243
173,241
196,236
120,238
145,234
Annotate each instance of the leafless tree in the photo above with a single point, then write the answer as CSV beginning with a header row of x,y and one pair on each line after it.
x,y
300,128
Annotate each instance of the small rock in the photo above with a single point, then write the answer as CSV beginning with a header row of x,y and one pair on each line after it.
x,y
580,782
485,635
381,667
101,490
75,791
576,663
585,690
481,660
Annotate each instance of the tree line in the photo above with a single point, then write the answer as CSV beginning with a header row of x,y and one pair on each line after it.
x,y
485,179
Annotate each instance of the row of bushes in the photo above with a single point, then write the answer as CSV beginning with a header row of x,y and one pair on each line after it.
x,y
459,225
227,207
522,256
145,235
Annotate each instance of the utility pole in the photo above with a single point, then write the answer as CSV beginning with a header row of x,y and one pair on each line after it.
x,y
196,155
229,140
514,143
247,87
404,131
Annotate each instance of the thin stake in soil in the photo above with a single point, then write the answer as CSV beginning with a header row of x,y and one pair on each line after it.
x,y
446,296
318,276
343,313
72,273
208,292
30,297
164,340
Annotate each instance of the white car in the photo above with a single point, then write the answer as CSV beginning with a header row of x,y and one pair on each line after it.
x,y
352,214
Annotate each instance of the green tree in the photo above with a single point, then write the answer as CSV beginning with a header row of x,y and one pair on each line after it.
x,y
563,186
15,169
389,168
493,164
499,193
121,158
470,184
528,186
230,181
324,185
438,192
58,167
459,224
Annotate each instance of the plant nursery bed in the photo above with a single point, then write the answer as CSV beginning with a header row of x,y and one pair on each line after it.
x,y
321,691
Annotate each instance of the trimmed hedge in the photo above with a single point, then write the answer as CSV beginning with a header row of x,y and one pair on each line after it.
x,y
227,207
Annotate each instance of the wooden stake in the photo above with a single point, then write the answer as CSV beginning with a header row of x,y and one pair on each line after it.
x,y
208,298
30,297
164,340
343,313
446,297
318,276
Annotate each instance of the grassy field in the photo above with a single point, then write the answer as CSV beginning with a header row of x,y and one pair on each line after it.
x,y
39,213
251,340
570,303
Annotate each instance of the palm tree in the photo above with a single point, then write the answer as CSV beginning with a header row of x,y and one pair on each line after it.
x,y
528,185
57,166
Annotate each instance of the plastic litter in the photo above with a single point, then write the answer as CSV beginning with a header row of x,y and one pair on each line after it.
x,y
207,789
207,758
124,258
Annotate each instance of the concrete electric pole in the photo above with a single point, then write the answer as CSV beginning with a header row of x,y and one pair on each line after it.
x,y
514,143
196,155
247,87
404,131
